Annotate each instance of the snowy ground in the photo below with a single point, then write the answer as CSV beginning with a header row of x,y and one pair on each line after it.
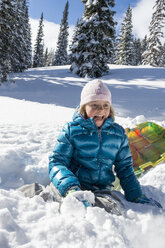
x,y
32,113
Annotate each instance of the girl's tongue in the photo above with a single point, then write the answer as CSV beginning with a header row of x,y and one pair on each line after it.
x,y
98,118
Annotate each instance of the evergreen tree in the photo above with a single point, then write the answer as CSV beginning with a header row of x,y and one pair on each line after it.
x,y
23,46
61,56
112,58
74,40
51,54
137,52
38,59
93,45
46,62
144,44
124,49
13,32
18,59
27,35
162,62
153,54
7,32
49,57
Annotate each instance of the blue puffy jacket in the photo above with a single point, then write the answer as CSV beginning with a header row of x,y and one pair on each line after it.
x,y
84,156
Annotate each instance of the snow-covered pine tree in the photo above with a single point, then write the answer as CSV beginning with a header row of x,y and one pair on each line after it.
x,y
38,59
7,32
22,41
18,59
61,56
46,63
144,44
74,40
93,46
112,58
27,35
124,49
163,56
13,33
153,54
137,52
51,54
48,57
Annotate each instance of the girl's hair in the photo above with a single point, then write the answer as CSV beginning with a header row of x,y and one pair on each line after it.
x,y
83,112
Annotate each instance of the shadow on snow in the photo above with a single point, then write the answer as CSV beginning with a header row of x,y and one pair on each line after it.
x,y
57,85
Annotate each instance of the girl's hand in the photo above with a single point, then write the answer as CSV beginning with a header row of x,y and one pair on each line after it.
x,y
144,200
86,197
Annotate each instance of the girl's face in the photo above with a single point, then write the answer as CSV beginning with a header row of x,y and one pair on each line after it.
x,y
99,110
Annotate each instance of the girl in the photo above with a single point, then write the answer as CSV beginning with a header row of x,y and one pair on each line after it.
x,y
89,146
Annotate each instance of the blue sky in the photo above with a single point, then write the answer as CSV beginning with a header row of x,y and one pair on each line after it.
x,y
53,9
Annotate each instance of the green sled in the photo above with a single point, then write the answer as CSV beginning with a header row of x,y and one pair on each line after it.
x,y
147,145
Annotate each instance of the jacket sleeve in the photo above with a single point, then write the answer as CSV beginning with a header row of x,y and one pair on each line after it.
x,y
125,172
59,163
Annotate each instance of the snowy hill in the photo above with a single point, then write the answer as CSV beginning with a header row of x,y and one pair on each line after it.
x,y
32,113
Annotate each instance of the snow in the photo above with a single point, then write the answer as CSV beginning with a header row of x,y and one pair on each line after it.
x,y
32,113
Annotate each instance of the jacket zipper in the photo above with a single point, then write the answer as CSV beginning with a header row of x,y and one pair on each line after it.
x,y
99,136
98,159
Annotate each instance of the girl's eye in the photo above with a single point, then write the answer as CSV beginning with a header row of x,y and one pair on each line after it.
x,y
99,106
106,106
94,106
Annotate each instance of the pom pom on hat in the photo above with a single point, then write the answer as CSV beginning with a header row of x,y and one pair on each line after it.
x,y
93,91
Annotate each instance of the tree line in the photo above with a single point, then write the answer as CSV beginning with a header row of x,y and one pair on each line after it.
x,y
94,43
15,38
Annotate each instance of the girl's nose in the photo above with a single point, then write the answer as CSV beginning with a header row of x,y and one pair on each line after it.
x,y
100,107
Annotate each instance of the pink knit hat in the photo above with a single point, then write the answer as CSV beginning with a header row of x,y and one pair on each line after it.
x,y
93,91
